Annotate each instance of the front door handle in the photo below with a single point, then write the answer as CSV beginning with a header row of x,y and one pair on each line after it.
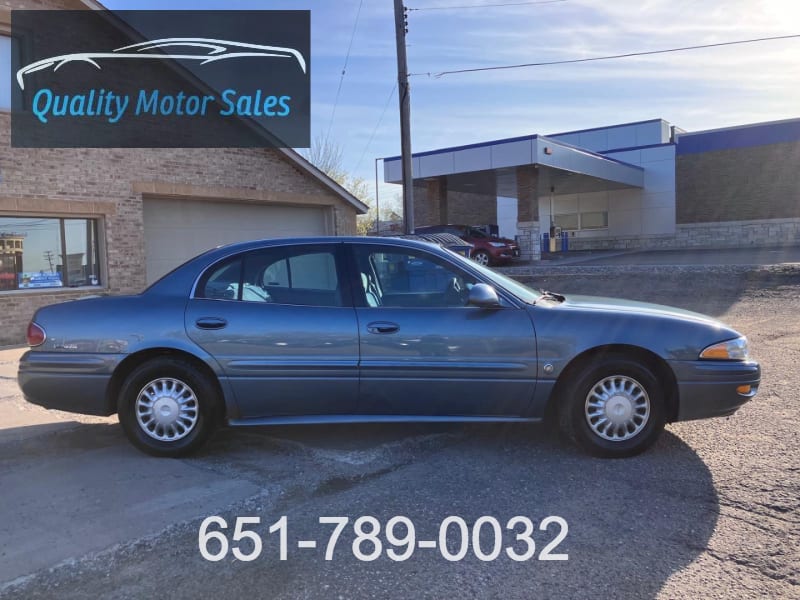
x,y
383,327
211,323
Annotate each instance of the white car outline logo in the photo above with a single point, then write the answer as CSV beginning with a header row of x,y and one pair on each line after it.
x,y
216,50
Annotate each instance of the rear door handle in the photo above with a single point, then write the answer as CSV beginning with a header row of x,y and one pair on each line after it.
x,y
211,323
383,327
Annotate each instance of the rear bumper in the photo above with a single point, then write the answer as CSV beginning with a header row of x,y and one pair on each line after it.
x,y
709,388
70,382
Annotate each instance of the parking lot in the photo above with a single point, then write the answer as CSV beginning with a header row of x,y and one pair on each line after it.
x,y
712,511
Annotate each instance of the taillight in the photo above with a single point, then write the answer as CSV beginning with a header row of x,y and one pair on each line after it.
x,y
36,335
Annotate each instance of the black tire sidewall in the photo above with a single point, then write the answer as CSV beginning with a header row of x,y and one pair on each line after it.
x,y
207,399
576,401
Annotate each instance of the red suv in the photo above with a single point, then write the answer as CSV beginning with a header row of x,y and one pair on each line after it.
x,y
486,249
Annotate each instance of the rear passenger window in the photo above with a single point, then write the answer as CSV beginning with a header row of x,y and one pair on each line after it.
x,y
221,282
299,276
296,275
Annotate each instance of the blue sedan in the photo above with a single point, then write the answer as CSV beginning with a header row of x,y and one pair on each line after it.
x,y
333,330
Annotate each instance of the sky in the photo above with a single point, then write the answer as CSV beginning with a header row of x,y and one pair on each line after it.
x,y
695,90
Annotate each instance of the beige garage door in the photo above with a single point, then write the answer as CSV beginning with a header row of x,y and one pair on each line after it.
x,y
176,230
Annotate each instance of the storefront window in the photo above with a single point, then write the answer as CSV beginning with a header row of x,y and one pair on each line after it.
x,y
47,253
566,222
579,221
594,220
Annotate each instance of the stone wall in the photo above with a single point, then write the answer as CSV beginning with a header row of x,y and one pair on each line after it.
x,y
529,235
729,234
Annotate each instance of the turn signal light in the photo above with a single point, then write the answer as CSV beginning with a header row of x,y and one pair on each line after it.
x,y
744,389
730,350
36,335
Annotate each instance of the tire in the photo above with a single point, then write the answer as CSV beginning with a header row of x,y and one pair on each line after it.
x,y
482,258
630,418
189,403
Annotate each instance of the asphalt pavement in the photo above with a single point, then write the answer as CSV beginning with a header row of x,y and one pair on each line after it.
x,y
712,511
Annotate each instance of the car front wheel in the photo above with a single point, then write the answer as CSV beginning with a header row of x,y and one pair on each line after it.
x,y
614,408
167,407
481,257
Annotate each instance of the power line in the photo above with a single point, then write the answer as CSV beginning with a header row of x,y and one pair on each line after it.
x,y
377,125
610,57
487,5
344,70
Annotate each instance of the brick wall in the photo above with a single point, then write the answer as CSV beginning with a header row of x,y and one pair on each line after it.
x,y
744,184
111,183
434,204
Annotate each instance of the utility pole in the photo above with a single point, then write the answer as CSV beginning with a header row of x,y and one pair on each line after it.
x,y
48,256
377,201
401,29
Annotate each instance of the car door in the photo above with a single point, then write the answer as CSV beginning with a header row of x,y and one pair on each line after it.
x,y
424,351
281,323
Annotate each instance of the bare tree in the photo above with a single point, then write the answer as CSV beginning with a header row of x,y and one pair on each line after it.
x,y
327,157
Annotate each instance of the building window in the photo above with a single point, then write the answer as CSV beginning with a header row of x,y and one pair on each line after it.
x,y
582,221
48,253
594,220
5,72
567,222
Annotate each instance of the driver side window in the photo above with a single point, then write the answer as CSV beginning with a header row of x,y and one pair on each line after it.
x,y
397,278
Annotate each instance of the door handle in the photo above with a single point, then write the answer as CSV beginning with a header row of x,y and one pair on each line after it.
x,y
211,323
383,327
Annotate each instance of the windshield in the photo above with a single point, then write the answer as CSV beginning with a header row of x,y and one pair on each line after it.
x,y
477,233
521,291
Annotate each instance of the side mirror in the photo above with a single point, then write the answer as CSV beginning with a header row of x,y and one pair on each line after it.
x,y
483,296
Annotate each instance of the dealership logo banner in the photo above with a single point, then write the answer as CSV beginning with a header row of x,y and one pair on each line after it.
x,y
160,79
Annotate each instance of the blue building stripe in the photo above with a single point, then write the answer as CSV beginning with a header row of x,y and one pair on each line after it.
x,y
739,137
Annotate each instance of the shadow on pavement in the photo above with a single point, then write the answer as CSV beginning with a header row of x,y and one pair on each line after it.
x,y
632,523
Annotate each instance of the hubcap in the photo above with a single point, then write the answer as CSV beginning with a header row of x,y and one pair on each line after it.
x,y
167,409
617,408
481,259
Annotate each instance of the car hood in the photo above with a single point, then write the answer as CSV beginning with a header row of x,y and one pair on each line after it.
x,y
619,305
497,240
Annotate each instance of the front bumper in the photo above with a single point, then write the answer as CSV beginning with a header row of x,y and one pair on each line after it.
x,y
75,383
707,388
504,255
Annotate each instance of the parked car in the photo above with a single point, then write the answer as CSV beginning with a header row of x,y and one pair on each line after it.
x,y
332,330
487,250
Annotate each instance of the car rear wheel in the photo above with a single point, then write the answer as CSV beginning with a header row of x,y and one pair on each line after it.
x,y
614,408
167,407
481,257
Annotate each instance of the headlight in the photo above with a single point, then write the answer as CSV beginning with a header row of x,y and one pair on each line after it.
x,y
497,244
730,350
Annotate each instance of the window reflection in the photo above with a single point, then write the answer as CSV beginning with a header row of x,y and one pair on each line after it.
x,y
47,253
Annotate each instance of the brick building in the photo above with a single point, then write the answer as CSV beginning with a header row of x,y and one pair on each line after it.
x,y
635,185
91,221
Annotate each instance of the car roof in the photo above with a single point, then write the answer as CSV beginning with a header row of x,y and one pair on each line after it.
x,y
251,244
